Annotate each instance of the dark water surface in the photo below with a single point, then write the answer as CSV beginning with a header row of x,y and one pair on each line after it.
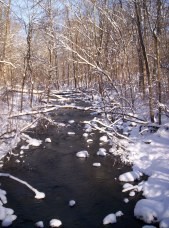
x,y
53,168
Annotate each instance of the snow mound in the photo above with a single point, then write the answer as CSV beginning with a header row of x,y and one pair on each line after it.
x,y
101,152
132,193
148,210
130,176
126,200
85,135
72,203
55,223
82,154
71,121
104,139
111,218
119,213
164,223
7,221
97,164
39,224
71,133
48,140
89,140
31,141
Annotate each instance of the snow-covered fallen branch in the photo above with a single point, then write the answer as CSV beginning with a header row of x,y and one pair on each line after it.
x,y
32,112
106,131
38,195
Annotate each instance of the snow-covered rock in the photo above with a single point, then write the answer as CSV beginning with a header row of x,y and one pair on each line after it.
x,y
164,223
119,213
7,221
132,193
72,203
71,121
85,135
130,176
39,224
71,133
102,152
82,154
97,164
126,200
109,219
48,140
89,140
104,139
55,223
148,210
2,213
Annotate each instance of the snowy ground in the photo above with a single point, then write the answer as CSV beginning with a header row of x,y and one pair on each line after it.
x,y
147,151
150,155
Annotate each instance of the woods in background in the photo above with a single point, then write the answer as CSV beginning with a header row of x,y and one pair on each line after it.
x,y
120,45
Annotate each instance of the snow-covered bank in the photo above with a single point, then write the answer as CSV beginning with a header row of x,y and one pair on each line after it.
x,y
150,155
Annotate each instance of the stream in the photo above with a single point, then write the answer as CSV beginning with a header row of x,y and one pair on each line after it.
x,y
53,168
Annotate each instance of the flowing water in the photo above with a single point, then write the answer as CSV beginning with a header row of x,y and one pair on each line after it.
x,y
54,169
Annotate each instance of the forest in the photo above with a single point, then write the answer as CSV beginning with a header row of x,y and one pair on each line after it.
x,y
114,45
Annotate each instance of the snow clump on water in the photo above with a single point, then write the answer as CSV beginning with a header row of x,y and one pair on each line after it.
x,y
55,223
6,214
39,224
104,139
30,141
130,176
101,152
82,154
71,121
111,218
48,140
97,164
72,203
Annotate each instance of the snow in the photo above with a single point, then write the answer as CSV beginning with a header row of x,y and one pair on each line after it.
x,y
164,223
39,224
71,133
71,121
150,211
30,141
109,219
130,176
148,226
72,203
82,154
119,213
126,200
85,135
102,152
7,221
149,155
48,140
55,223
132,193
89,140
97,164
104,139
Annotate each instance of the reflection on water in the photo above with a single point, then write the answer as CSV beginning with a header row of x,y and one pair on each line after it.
x,y
54,169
